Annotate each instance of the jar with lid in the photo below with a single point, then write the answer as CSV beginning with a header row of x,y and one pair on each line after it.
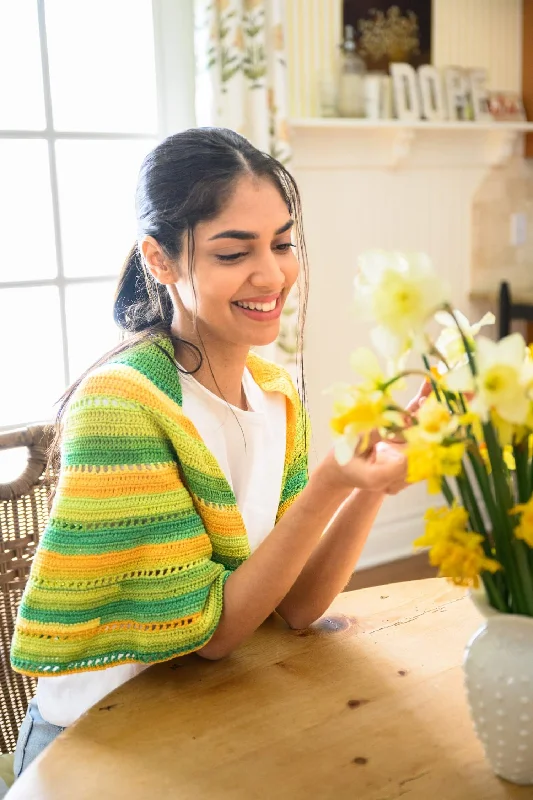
x,y
352,71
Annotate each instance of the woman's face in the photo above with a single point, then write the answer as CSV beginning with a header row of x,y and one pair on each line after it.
x,y
244,267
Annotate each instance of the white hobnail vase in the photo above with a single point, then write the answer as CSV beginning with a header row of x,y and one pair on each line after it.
x,y
498,667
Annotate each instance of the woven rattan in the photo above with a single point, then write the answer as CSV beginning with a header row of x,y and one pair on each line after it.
x,y
23,516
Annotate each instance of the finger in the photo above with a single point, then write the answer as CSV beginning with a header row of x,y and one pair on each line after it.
x,y
420,397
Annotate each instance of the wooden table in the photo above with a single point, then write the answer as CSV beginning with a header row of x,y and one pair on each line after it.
x,y
367,705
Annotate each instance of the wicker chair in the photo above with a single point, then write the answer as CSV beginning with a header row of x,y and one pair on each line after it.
x,y
23,516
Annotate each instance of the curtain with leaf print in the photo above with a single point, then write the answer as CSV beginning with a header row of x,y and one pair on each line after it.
x,y
241,70
241,83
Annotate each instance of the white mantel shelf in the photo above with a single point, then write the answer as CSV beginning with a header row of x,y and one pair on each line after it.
x,y
326,142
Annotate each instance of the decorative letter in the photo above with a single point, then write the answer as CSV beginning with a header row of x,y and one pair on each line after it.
x,y
480,95
433,105
457,94
405,92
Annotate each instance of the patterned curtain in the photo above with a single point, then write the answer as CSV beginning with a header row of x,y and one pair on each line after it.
x,y
241,70
241,83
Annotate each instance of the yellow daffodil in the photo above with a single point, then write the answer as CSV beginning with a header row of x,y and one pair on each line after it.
x,y
450,342
435,422
471,420
400,293
432,461
360,410
524,530
455,550
498,386
357,412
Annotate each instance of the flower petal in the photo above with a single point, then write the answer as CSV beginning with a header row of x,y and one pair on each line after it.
x,y
512,350
364,362
459,380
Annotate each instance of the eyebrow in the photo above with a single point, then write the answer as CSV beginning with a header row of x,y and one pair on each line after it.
x,y
245,235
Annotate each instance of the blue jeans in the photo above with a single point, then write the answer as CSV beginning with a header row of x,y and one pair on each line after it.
x,y
34,735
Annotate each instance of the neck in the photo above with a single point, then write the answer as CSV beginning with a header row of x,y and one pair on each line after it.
x,y
222,365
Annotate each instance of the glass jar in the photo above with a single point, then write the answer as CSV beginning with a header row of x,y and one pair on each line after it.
x,y
352,71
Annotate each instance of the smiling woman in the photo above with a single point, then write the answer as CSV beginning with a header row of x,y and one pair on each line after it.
x,y
184,514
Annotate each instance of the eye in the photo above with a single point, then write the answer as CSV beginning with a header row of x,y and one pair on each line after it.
x,y
284,247
228,259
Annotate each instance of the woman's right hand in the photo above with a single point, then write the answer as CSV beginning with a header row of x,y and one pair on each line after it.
x,y
382,469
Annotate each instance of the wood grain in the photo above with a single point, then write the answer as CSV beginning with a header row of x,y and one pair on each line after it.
x,y
368,703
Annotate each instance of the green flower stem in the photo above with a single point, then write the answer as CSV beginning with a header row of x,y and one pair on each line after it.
x,y
521,457
495,598
432,380
524,570
480,472
404,374
470,503
466,343
503,527
447,492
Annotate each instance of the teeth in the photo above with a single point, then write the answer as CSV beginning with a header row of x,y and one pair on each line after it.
x,y
258,306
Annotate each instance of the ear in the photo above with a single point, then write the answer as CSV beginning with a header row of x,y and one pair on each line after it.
x,y
157,261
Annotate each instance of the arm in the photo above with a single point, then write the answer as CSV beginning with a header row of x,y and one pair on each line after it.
x,y
259,585
332,562
334,559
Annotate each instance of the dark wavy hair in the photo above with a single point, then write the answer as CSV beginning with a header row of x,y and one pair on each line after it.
x,y
185,180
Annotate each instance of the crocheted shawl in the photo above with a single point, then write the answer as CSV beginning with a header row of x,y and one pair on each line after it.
x,y
144,529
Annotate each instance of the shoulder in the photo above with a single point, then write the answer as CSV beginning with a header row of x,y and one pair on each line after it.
x,y
134,375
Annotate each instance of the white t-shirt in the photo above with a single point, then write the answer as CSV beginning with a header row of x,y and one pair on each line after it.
x,y
250,449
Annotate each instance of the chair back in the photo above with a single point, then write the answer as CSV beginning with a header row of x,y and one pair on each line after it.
x,y
509,311
24,512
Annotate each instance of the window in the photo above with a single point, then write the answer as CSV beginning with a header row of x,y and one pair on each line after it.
x,y
86,90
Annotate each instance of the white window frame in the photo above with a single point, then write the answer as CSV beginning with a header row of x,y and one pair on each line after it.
x,y
173,22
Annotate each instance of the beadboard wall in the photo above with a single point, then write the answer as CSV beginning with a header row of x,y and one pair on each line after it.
x,y
480,33
417,206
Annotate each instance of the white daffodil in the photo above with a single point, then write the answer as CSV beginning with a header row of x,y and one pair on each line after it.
x,y
400,292
366,365
450,343
499,383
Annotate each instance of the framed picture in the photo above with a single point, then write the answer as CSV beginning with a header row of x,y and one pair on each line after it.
x,y
389,32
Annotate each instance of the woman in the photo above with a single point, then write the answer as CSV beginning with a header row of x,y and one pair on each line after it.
x,y
183,515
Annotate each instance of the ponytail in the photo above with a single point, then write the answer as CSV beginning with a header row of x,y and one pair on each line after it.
x,y
140,301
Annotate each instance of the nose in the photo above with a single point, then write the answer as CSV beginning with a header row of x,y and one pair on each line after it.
x,y
268,274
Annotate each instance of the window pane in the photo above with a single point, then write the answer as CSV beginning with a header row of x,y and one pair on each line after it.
x,y
102,66
32,354
21,84
91,330
12,463
97,203
26,219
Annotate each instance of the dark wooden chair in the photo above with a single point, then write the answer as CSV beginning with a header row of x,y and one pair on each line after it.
x,y
509,311
24,512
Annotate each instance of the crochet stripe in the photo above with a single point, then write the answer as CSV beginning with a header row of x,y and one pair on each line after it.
x,y
144,529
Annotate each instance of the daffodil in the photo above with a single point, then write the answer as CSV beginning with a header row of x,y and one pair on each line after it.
x,y
498,386
524,529
357,413
435,422
366,365
400,292
450,342
455,550
432,461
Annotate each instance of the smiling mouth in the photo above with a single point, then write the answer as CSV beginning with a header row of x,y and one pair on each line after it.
x,y
267,309
257,306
